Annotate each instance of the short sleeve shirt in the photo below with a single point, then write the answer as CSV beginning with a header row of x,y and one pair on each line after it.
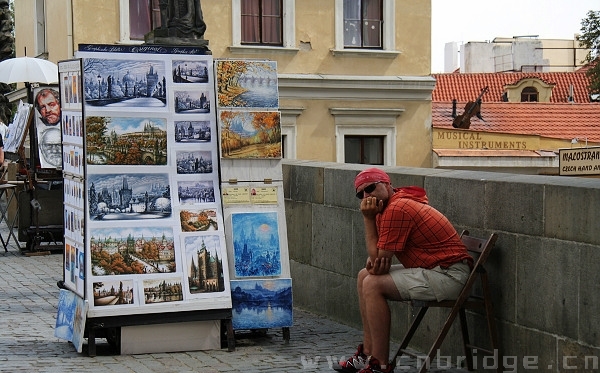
x,y
419,235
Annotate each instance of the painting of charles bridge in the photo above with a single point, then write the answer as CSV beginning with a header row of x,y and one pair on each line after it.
x,y
247,84
256,244
129,196
126,141
136,250
185,71
194,162
192,102
113,293
125,83
195,192
192,131
204,263
163,290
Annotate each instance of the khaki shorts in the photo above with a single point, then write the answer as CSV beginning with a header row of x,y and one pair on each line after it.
x,y
430,284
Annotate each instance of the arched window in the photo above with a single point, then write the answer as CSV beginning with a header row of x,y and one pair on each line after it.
x,y
529,94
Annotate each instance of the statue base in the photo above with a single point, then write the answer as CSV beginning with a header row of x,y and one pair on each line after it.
x,y
156,37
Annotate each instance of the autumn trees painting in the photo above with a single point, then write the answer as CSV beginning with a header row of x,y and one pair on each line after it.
x,y
250,134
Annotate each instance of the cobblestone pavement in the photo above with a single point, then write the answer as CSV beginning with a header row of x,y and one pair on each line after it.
x,y
28,301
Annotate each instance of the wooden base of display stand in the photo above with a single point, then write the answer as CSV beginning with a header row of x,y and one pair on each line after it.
x,y
113,328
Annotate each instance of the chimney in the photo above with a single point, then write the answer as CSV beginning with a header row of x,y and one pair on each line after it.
x,y
454,108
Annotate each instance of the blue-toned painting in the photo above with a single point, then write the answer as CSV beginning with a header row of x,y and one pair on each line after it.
x,y
256,244
260,304
193,131
70,319
192,102
125,83
186,71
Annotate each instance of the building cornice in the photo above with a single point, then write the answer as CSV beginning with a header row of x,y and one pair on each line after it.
x,y
353,87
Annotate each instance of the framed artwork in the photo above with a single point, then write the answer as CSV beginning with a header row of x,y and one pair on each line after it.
x,y
194,162
163,290
48,128
195,192
203,262
108,293
190,131
70,318
262,303
129,196
132,250
250,134
247,84
256,245
123,83
126,141
192,102
190,71
15,133
198,220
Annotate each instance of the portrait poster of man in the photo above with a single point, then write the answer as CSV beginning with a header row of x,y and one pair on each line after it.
x,y
47,112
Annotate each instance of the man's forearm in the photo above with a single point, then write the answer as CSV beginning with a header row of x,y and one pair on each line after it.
x,y
371,238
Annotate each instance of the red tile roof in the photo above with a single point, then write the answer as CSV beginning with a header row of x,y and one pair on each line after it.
x,y
466,87
553,120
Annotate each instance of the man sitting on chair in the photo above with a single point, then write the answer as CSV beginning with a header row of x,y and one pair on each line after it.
x,y
434,265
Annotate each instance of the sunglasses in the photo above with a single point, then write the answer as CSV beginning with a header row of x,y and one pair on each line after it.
x,y
368,189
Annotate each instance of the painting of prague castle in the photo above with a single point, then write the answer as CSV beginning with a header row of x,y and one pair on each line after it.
x,y
204,264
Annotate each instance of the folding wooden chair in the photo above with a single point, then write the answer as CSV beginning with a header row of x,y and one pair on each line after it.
x,y
480,249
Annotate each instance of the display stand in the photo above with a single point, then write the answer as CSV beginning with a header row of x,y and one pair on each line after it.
x,y
144,233
253,201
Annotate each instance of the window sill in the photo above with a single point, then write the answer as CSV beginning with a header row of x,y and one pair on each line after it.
x,y
260,49
365,53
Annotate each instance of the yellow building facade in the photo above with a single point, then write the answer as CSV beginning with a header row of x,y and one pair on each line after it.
x,y
339,102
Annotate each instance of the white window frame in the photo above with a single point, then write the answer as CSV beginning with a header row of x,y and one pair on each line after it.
x,y
40,28
289,30
124,30
289,117
352,122
389,33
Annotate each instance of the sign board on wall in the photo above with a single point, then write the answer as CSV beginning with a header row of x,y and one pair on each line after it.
x,y
579,161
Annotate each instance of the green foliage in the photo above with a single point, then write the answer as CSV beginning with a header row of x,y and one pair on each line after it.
x,y
590,38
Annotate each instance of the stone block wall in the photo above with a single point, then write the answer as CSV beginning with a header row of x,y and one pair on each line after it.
x,y
543,272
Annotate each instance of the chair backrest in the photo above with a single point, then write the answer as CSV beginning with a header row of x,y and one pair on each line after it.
x,y
479,248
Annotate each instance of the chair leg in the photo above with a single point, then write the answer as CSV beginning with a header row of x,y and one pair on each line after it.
x,y
408,336
489,310
466,341
440,338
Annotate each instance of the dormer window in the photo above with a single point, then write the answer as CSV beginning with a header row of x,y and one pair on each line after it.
x,y
529,94
529,89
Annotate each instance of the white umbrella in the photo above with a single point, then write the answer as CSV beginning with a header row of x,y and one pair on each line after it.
x,y
28,70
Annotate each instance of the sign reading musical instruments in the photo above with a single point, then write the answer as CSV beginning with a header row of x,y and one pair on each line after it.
x,y
579,161
464,139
